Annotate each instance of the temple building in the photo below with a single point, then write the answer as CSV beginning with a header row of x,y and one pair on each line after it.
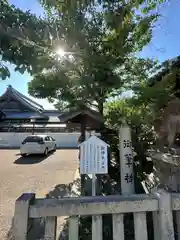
x,y
19,113
21,116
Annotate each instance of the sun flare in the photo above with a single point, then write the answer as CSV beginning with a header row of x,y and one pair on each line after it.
x,y
60,52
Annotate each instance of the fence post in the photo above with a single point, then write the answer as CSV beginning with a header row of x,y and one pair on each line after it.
x,y
20,224
166,228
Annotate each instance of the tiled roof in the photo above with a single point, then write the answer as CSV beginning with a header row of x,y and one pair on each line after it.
x,y
35,117
42,115
90,112
40,125
29,103
54,113
26,115
50,119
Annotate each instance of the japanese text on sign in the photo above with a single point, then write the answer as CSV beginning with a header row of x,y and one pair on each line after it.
x,y
128,160
127,143
93,156
128,177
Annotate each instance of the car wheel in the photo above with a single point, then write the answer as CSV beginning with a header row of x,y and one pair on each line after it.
x,y
23,155
46,152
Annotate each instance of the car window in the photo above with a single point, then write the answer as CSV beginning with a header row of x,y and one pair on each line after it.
x,y
47,138
52,139
33,139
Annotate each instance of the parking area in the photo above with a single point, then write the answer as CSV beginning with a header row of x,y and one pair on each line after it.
x,y
37,174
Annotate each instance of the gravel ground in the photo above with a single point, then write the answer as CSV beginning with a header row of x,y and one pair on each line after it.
x,y
32,174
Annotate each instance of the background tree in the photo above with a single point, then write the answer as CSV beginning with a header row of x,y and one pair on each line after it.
x,y
139,111
24,40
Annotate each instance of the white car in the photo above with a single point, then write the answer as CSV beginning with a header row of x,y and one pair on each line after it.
x,y
37,144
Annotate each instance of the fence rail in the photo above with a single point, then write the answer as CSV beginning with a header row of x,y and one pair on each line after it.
x,y
161,204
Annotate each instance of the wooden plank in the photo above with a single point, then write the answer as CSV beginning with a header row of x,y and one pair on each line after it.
x,y
21,216
93,205
73,228
156,225
166,227
50,228
140,226
97,227
118,226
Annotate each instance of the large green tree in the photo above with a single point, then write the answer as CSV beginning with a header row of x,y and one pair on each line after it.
x,y
101,38
24,40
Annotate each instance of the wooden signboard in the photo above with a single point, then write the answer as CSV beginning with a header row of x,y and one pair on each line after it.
x,y
93,156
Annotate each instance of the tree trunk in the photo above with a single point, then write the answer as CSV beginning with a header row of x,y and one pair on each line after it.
x,y
101,107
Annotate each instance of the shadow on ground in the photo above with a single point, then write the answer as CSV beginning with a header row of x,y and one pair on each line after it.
x,y
32,159
36,229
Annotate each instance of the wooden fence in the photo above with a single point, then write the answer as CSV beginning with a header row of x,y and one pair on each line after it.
x,y
161,204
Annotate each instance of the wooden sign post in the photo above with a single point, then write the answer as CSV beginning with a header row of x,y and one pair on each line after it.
x,y
126,161
93,159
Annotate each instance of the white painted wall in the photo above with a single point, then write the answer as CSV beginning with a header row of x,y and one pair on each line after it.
x,y
63,140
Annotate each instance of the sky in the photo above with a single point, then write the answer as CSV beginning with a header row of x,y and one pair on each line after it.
x,y
164,45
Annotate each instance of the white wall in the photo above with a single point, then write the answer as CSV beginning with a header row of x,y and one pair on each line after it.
x,y
11,139
63,140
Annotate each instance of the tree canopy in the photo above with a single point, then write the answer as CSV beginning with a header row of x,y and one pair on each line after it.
x,y
24,40
101,38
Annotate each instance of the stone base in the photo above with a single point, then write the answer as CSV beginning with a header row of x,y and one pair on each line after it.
x,y
166,172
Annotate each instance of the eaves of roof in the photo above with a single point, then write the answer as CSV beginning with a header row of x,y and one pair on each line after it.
x,y
91,113
11,92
